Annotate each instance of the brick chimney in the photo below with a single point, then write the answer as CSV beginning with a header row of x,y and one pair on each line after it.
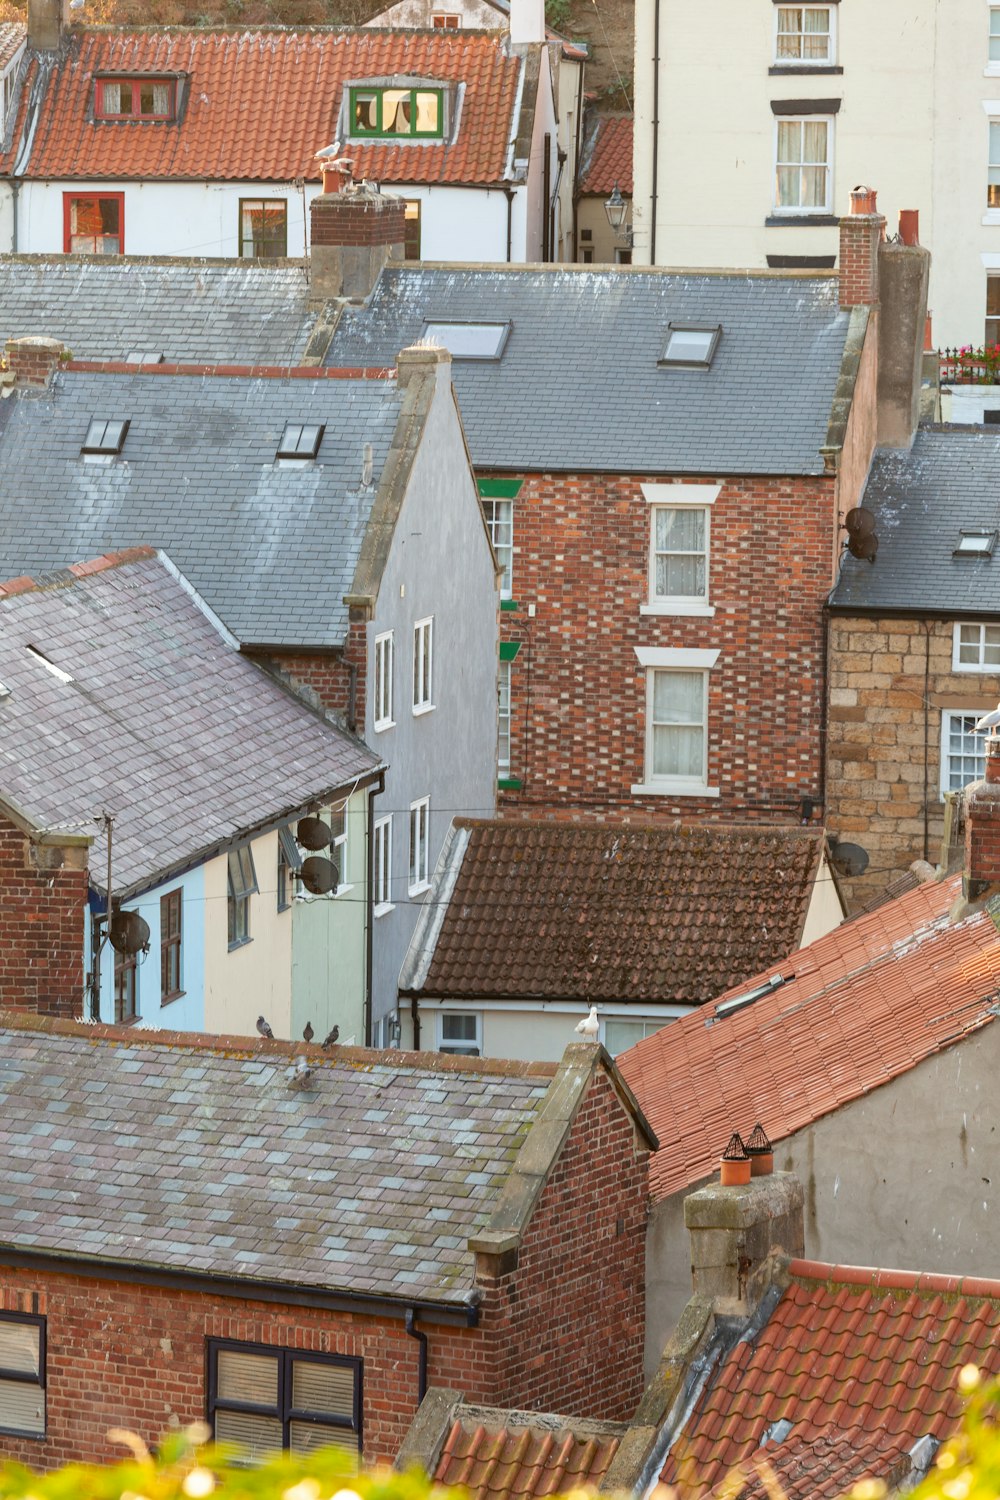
x,y
982,828
735,1233
354,230
31,361
47,20
861,233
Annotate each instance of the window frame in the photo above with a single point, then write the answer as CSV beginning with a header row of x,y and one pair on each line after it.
x,y
238,898
446,20
382,901
420,846
341,844
795,63
171,941
300,452
135,81
786,210
671,782
69,198
494,356
251,254
106,448
980,666
284,1411
289,862
666,361
380,133
453,1047
947,714
125,987
992,68
412,225
504,715
18,1377
423,665
382,681
679,603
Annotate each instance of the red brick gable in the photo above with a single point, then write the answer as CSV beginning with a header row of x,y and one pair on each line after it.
x,y
43,905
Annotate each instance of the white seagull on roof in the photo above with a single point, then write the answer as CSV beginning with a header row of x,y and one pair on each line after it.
x,y
989,721
590,1026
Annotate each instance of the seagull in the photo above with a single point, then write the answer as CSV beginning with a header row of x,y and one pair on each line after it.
x,y
590,1026
331,1037
264,1029
327,151
308,1033
989,721
299,1077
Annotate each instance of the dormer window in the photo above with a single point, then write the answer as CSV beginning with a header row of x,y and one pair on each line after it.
x,y
105,436
135,99
691,344
397,113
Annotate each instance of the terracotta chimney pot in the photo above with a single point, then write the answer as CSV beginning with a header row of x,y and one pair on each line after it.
x,y
734,1168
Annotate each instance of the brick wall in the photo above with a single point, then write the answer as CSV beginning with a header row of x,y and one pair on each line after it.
x,y
881,729
578,727
327,677
564,1331
43,900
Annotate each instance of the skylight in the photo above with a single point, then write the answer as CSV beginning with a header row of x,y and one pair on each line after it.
x,y
138,357
300,440
104,436
469,340
975,541
50,666
691,344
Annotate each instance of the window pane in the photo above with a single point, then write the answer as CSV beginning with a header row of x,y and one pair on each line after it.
x,y
468,340
326,1390
503,715
111,94
366,111
303,1437
161,98
19,1347
789,140
257,1436
397,111
689,343
458,1028
680,530
22,1406
678,752
248,1377
125,95
814,141
428,114
991,647
678,697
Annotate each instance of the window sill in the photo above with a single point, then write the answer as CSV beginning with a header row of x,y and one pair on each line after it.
x,y
424,708
509,783
343,890
384,909
382,724
788,221
677,789
992,70
418,890
507,604
779,70
991,216
284,906
169,999
701,611
240,943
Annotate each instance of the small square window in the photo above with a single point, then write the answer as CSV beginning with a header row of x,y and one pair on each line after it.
x,y
22,1374
461,1035
135,99
94,224
300,440
976,648
263,228
975,542
445,21
804,34
105,435
469,340
691,343
397,112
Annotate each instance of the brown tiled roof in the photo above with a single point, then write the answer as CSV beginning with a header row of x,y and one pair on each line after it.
x,y
854,1359
608,156
519,1455
858,1007
12,37
258,105
829,1464
602,912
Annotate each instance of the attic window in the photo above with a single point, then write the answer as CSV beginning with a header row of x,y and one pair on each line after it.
x,y
49,666
300,440
469,340
397,114
105,436
135,99
138,357
975,541
691,344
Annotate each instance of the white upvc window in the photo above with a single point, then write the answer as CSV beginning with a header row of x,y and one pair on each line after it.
x,y
678,554
976,648
339,825
676,741
993,65
503,718
460,1033
805,34
383,681
500,520
382,866
803,164
420,845
423,666
963,752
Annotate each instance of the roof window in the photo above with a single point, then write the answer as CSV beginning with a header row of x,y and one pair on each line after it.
x,y
691,344
469,340
105,436
975,541
135,99
397,113
139,357
300,440
50,666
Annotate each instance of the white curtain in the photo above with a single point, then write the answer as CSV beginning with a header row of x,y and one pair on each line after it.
x,y
678,724
680,553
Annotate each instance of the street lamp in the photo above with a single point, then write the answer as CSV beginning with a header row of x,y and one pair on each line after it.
x,y
616,209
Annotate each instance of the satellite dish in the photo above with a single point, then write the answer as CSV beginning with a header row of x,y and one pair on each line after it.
x,y
129,932
313,833
319,876
850,859
864,547
861,539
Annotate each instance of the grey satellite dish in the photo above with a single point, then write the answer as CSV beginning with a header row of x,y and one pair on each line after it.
x,y
313,833
850,859
129,932
861,539
319,876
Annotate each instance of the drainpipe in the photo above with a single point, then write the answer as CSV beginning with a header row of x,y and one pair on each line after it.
x,y
656,125
546,191
509,191
415,1018
369,912
415,1333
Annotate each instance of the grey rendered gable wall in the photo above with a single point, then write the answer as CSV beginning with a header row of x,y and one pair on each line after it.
x,y
439,564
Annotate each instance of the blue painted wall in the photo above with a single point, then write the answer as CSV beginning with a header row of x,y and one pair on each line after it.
x,y
188,1012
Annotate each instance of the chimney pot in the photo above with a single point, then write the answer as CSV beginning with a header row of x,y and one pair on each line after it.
x,y
864,200
760,1152
734,1168
909,226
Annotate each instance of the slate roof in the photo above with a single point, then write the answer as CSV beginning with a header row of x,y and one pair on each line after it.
x,y
195,311
921,497
271,550
147,727
602,912
510,1455
858,1007
193,1153
853,1359
578,388
607,156
258,104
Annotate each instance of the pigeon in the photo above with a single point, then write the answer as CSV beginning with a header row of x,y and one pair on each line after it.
x,y
589,1028
264,1029
300,1076
308,1033
331,1037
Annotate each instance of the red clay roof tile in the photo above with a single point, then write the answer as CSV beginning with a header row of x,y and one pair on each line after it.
x,y
514,1459
258,105
12,38
609,157
860,1006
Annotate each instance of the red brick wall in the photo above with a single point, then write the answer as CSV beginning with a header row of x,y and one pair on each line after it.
x,y
41,925
329,676
563,1332
578,728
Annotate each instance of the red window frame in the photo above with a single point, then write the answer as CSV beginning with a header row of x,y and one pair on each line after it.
x,y
70,198
135,113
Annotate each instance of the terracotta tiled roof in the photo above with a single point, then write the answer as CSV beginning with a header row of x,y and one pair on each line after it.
x,y
608,156
12,37
847,1354
867,1002
609,911
258,105
828,1464
505,1455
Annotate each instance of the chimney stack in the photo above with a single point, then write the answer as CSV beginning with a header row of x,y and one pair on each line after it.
x,y
861,233
527,21
735,1234
982,827
31,361
47,20
354,230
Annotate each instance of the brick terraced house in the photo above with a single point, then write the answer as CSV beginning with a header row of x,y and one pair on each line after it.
x,y
326,1245
665,460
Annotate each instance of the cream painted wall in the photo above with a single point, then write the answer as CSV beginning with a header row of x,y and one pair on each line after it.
x,y
825,911
255,979
535,1032
591,214
912,124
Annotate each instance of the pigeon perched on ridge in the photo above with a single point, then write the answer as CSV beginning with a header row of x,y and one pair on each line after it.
x,y
308,1033
300,1075
589,1028
264,1029
331,1037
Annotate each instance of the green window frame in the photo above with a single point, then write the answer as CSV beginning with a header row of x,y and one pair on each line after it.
x,y
401,101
